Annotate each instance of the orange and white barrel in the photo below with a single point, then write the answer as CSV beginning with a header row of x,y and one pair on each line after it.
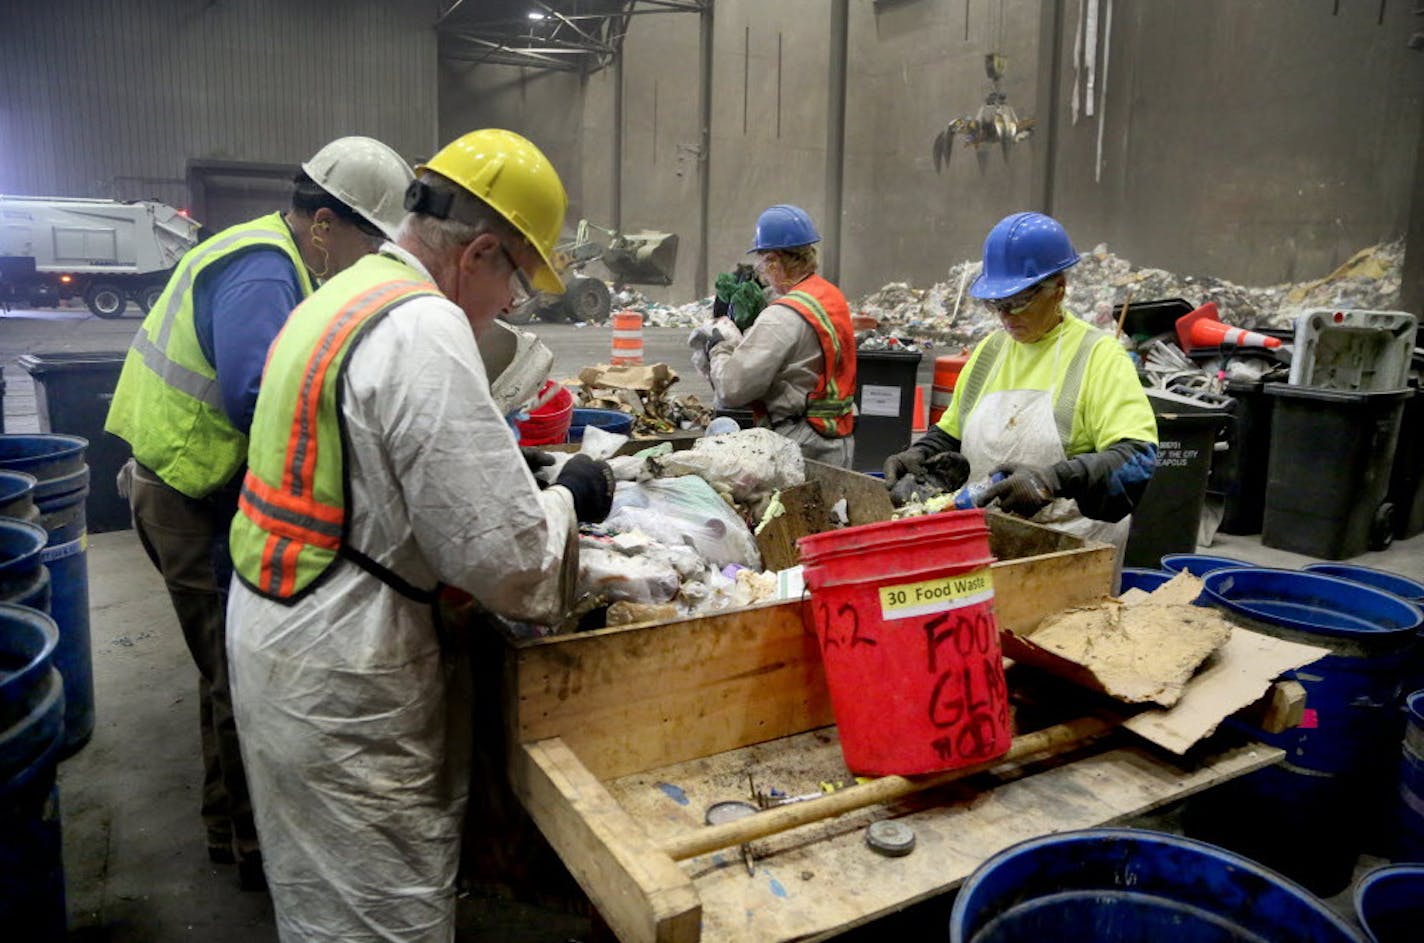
x,y
627,338
946,375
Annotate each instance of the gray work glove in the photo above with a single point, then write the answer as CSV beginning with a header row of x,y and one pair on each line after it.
x,y
912,461
1025,491
591,484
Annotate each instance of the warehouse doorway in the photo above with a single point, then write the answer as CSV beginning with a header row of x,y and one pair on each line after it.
x,y
224,193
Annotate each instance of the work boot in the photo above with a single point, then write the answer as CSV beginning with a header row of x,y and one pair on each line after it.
x,y
249,872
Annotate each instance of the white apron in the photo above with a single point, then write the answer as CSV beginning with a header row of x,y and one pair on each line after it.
x,y
1018,426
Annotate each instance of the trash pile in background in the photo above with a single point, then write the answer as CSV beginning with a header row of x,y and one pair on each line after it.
x,y
944,314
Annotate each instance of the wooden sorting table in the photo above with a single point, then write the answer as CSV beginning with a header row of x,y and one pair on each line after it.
x,y
619,739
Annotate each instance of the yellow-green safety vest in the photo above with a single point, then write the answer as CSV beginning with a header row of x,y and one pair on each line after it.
x,y
167,404
292,515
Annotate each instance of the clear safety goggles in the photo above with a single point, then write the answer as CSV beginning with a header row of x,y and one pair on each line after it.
x,y
1015,304
520,288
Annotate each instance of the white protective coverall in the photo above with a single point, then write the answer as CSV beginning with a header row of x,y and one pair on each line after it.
x,y
355,730
778,361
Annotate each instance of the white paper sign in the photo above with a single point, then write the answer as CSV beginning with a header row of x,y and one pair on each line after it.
x,y
880,401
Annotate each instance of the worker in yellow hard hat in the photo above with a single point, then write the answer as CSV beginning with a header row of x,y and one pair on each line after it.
x,y
381,470
184,402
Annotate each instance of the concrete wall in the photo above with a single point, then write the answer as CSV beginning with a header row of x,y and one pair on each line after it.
x,y
113,99
546,107
1260,142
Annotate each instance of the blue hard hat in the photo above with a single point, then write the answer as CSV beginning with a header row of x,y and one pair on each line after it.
x,y
1021,251
784,226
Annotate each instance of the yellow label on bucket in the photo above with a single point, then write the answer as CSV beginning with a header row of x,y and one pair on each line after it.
x,y
907,600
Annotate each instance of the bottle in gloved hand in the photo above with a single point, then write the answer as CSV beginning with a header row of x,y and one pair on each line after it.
x,y
970,495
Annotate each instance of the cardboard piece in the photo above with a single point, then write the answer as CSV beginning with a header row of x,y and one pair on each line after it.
x,y
1235,677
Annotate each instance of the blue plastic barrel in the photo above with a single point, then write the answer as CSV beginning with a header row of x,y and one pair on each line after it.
x,y
1406,589
57,463
24,579
1198,564
1310,816
1124,885
1136,577
31,735
1390,903
17,496
609,420
1410,835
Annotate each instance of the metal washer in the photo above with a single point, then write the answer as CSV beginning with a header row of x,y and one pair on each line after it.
x,y
891,838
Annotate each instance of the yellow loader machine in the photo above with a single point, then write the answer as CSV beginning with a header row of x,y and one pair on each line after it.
x,y
640,258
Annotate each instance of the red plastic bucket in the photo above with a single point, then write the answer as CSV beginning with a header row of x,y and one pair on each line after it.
x,y
548,422
904,612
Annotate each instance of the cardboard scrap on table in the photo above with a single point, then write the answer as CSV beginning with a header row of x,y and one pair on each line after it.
x,y
1136,654
1235,670
652,378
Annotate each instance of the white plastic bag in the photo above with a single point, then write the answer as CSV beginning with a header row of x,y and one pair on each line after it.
x,y
685,511
749,464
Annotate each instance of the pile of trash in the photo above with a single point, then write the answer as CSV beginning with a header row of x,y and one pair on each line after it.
x,y
642,391
657,314
679,540
1102,282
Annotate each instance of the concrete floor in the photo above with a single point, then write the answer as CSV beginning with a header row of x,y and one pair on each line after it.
x,y
136,868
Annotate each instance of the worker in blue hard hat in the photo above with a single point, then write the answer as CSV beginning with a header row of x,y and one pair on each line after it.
x,y
1048,402
795,365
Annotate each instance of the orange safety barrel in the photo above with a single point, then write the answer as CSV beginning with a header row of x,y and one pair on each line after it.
x,y
946,375
627,338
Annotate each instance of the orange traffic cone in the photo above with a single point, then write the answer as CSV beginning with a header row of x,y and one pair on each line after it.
x,y
1203,328
918,426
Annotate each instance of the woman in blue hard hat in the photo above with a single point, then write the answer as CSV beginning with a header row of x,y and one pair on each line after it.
x,y
795,366
1049,402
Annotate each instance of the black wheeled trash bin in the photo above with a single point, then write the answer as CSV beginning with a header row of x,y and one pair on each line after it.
x,y
72,395
885,399
1168,516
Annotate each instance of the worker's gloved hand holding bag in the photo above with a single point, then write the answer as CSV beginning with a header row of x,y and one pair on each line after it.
x,y
591,484
538,461
1025,490
936,447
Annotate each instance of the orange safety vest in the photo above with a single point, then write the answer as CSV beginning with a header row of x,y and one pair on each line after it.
x,y
830,407
293,512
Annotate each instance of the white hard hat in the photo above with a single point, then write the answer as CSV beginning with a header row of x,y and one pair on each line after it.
x,y
367,176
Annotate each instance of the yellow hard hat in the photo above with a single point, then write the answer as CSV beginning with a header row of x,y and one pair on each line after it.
x,y
515,178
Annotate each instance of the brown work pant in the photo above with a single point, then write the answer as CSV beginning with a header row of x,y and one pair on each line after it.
x,y
187,541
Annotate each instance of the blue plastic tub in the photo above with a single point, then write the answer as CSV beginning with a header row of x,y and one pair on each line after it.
x,y
31,734
1199,564
1136,577
1409,838
1380,579
609,420
1123,885
24,579
1390,903
61,488
1311,815
17,495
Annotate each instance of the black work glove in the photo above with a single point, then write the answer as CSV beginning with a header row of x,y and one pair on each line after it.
x,y
591,484
912,460
1025,491
537,461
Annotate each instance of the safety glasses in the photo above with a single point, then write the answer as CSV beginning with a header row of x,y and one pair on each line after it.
x,y
1015,304
520,288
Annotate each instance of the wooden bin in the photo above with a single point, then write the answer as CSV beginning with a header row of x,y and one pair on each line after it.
x,y
618,737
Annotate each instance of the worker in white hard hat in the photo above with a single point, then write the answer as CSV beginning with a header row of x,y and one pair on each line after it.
x,y
380,471
184,403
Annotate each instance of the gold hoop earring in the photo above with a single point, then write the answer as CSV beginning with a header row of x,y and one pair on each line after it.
x,y
320,246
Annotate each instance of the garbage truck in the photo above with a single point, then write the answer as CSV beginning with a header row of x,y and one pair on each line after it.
x,y
104,251
645,257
